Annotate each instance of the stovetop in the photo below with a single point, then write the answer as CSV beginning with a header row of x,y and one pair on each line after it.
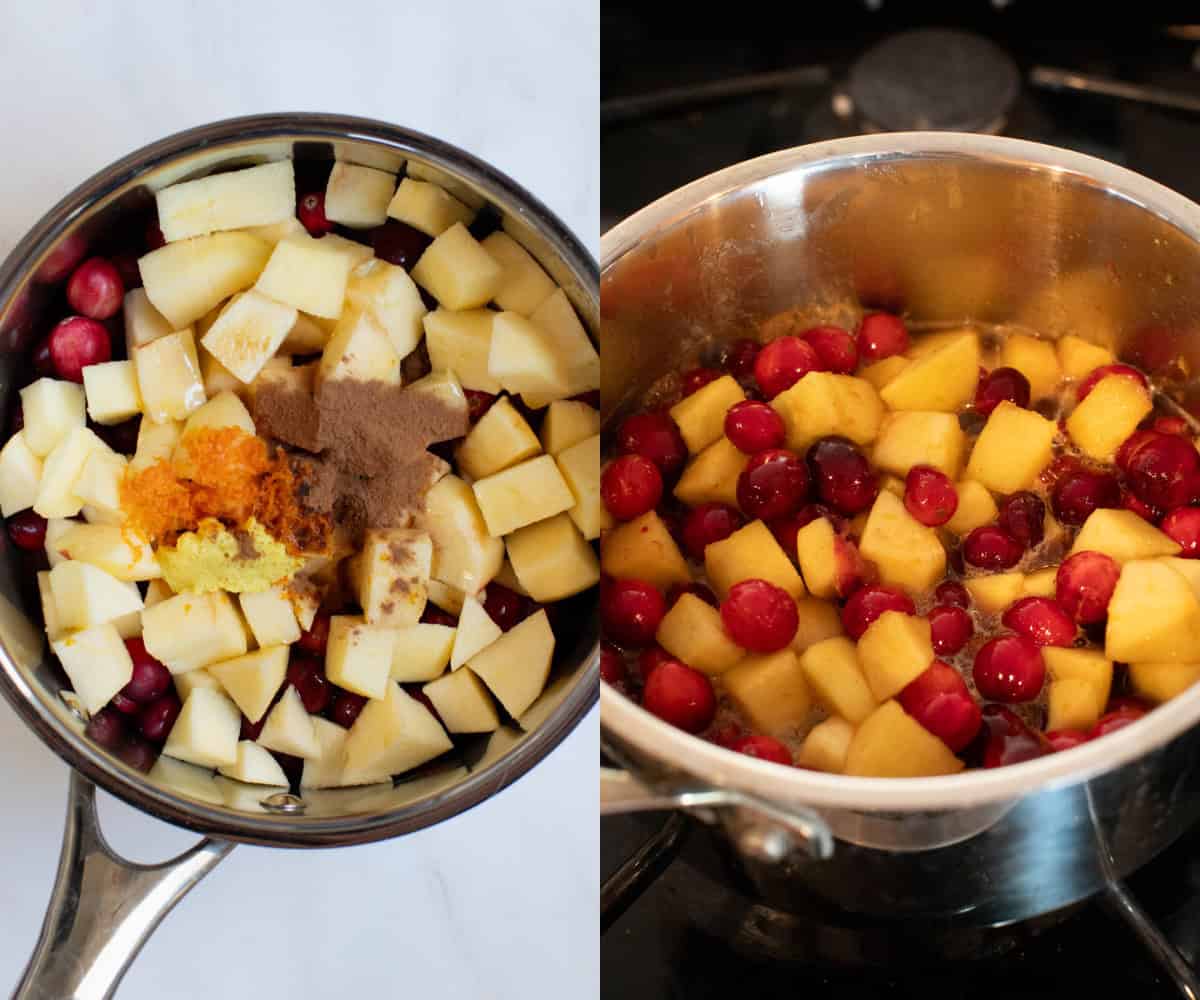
x,y
688,937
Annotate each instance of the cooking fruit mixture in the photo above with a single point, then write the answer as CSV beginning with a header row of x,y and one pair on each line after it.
x,y
880,554
298,525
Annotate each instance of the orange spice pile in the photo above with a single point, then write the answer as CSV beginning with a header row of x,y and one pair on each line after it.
x,y
229,475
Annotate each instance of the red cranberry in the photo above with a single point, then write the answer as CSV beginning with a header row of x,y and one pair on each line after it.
x,y
728,735
694,588
122,437
1009,740
127,267
1063,465
1076,496
753,427
399,243
1001,385
1130,446
929,496
868,603
478,403
785,529
651,657
1089,383
1164,471
156,719
697,379
764,748
346,706
612,666
681,696
654,436
253,730
939,700
952,593
42,362
1041,619
1183,525
782,363
631,611
27,529
835,348
991,547
96,289
1023,516
1171,425
310,210
708,523
773,484
106,728
844,478
138,754
951,628
76,343
433,615
150,680
880,335
124,705
1143,510
1066,739
1009,668
315,638
153,234
630,486
504,606
759,616
1085,584
740,357
1115,719
307,676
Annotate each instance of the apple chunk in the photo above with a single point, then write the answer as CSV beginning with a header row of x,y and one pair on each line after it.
x,y
390,574
517,665
206,732
524,359
252,680
61,470
826,746
116,550
465,555
359,656
528,492
427,207
255,766
112,392
457,271
248,333
359,349
892,744
501,438
770,690
308,274
289,728
169,378
52,408
97,663
476,631
85,595
1123,535
358,196
836,677
907,553
422,652
895,649
692,632
20,475
1013,447
751,552
463,703
821,404
461,342
254,196
1109,414
643,549
1153,617
552,560
567,422
271,617
524,285
712,476
391,735
580,467
392,297
556,318
185,280
942,380
701,415
193,630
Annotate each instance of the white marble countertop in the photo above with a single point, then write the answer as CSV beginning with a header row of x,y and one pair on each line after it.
x,y
502,901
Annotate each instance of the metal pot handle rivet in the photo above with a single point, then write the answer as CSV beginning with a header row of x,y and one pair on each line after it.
x,y
103,907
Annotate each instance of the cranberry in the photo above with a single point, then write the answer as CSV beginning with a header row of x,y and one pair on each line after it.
x,y
631,611
764,748
681,696
315,638
783,363
753,426
654,436
697,379
1001,385
759,616
77,342
252,730
929,495
612,666
346,706
310,210
630,486
1076,496
1089,383
1164,471
307,676
106,728
785,529
122,437
1041,619
62,260
399,243
1116,718
150,680
952,593
651,657
127,267
504,606
1023,516
156,719
939,700
124,704
728,735
868,603
1130,446
478,403
1009,668
1009,740
835,348
708,523
96,289
991,547
1143,510
844,478
42,362
1066,739
740,357
1085,584
433,615
138,754
951,628
773,484
880,335
696,589
153,234
27,529
1171,425
1183,525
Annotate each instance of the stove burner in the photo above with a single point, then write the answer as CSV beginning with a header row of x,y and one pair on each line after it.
x,y
933,79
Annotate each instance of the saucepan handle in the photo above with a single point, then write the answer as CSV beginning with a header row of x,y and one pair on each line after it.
x,y
103,907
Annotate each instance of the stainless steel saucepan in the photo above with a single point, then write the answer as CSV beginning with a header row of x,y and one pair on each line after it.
x,y
104,907
945,227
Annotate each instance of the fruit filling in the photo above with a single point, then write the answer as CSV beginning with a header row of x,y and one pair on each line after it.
x,y
330,502
901,553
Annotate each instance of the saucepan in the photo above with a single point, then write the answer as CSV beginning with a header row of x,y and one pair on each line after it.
x,y
103,907
946,228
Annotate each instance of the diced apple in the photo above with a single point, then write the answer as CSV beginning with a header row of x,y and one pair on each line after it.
x,y
1013,447
528,492
422,652
392,734
906,552
185,684
992,594
882,372
187,779
307,336
500,439
1109,414
524,285
556,317
308,274
143,323
112,392
552,560
206,732
289,728
97,663
692,632
476,631
524,358
1080,681
52,408
389,576
216,377
252,680
446,180
943,380
818,620
894,485
193,630
248,333
712,476
254,196
826,746
1159,682
1071,704
20,475
359,656
507,577
927,343
185,280
392,297
325,770
895,649
750,552
270,616
701,415
358,196
359,349
1034,358
85,595
1077,357
567,422
463,703
770,691
1153,617
128,626
1123,535
916,437
643,549
155,443
821,404
117,551
99,487
276,231
975,508
465,556
1043,583
255,766
461,342
50,619
56,527
835,676
427,207
444,387
1189,569
56,495
891,744
829,563
353,251
516,666
457,271
169,377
